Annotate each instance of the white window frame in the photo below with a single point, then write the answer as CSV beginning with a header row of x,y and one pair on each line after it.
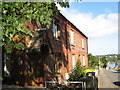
x,y
71,36
73,61
83,60
83,43
55,30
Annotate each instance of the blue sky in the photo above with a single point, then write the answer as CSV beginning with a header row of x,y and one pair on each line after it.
x,y
99,22
95,7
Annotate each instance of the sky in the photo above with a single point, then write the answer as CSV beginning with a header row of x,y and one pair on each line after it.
x,y
98,21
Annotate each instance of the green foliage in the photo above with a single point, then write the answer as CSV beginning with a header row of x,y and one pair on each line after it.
x,y
77,72
103,62
16,14
113,58
92,61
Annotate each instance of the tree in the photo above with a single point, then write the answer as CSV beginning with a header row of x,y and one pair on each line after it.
x,y
78,71
104,62
16,14
92,61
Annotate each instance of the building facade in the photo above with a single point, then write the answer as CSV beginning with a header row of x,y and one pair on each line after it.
x,y
70,45
51,54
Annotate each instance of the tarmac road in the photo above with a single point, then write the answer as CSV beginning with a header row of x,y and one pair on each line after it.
x,y
109,79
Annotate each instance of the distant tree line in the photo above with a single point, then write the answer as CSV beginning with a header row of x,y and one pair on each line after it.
x,y
113,58
93,61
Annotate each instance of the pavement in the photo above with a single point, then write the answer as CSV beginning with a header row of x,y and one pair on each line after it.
x,y
107,79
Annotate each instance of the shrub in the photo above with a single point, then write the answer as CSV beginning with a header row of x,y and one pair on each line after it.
x,y
77,72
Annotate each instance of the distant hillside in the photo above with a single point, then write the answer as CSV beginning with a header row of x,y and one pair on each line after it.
x,y
110,57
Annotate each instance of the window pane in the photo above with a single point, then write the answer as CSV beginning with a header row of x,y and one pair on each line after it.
x,y
55,30
73,61
84,60
82,43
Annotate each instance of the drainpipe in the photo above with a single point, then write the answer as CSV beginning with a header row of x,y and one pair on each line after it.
x,y
66,33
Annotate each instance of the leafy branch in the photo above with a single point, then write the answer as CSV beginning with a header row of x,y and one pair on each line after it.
x,y
16,14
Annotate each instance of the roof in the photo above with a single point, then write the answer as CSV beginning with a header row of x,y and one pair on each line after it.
x,y
73,25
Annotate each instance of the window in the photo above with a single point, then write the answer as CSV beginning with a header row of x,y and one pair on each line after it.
x,y
82,43
71,36
83,58
56,30
73,61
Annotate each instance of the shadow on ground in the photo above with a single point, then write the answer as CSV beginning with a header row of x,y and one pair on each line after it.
x,y
117,83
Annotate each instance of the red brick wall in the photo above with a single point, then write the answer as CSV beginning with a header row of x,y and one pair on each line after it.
x,y
62,45
77,49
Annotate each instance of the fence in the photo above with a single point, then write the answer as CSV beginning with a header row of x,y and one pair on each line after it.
x,y
65,84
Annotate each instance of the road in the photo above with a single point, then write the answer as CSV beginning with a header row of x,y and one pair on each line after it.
x,y
109,79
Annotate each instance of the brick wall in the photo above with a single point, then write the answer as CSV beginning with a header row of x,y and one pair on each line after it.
x,y
77,50
62,45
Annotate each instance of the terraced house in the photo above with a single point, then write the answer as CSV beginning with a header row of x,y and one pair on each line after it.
x,y
52,54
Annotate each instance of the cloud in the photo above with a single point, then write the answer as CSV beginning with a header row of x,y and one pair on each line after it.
x,y
93,27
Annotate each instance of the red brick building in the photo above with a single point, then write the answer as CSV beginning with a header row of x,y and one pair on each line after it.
x,y
52,54
70,44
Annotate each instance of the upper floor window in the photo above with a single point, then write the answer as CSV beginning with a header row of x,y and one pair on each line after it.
x,y
71,36
82,43
56,30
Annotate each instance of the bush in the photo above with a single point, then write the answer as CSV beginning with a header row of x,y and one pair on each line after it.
x,y
77,72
